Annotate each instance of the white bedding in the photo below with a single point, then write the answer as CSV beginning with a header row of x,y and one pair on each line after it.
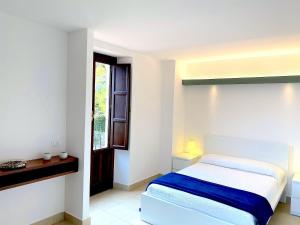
x,y
262,185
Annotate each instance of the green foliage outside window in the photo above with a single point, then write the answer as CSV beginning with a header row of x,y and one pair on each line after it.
x,y
100,106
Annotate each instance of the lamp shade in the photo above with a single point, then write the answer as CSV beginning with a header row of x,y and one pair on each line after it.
x,y
192,147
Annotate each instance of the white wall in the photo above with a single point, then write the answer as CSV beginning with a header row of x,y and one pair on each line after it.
x,y
178,135
33,74
166,125
140,161
79,109
264,112
257,111
33,202
267,65
145,121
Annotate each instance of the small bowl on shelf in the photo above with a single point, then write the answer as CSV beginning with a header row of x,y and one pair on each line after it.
x,y
63,155
12,165
47,156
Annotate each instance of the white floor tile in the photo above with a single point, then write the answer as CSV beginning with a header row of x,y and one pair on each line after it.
x,y
116,207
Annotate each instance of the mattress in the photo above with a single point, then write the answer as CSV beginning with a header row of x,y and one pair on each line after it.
x,y
262,185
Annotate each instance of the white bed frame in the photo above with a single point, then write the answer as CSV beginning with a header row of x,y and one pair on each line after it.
x,y
158,212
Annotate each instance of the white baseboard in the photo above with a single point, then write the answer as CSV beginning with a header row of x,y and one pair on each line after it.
x,y
74,220
51,220
135,185
63,216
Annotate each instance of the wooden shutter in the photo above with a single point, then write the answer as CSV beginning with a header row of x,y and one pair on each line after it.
x,y
120,106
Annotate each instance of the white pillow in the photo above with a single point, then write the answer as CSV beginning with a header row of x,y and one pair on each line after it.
x,y
244,164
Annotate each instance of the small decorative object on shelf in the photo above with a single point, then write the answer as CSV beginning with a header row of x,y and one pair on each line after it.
x,y
47,156
63,155
12,165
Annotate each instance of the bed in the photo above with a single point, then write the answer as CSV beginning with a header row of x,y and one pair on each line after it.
x,y
161,205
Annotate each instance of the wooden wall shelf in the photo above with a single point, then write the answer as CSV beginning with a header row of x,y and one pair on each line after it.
x,y
243,80
37,170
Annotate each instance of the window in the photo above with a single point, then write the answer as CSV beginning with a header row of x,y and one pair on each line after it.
x,y
101,105
110,119
111,103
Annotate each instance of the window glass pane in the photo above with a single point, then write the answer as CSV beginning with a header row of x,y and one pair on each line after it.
x,y
101,107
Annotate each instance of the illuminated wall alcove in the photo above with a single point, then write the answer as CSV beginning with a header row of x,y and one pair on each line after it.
x,y
247,68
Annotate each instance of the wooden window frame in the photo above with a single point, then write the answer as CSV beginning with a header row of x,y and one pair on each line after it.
x,y
100,58
128,111
112,61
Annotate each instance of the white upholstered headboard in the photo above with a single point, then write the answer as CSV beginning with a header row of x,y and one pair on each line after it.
x,y
271,152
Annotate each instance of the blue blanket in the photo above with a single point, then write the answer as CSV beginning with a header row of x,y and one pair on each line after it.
x,y
252,203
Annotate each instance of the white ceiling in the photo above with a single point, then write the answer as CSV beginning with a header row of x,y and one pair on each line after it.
x,y
169,28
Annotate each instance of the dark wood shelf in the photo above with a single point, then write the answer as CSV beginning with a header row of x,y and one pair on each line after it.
x,y
244,80
37,170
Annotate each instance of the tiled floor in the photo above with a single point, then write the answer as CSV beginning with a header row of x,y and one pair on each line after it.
x,y
115,207
282,216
